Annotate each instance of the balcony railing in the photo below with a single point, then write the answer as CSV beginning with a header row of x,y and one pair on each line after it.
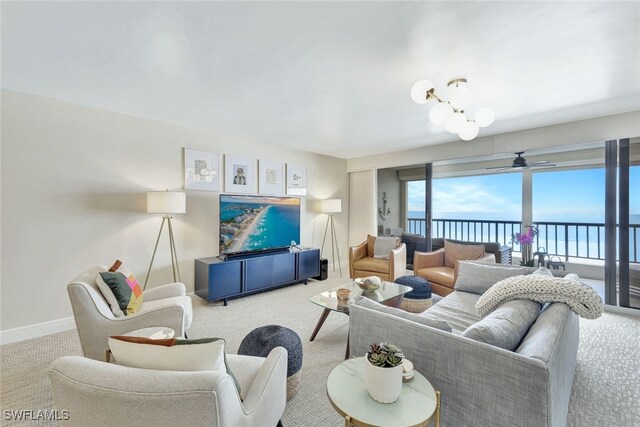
x,y
564,239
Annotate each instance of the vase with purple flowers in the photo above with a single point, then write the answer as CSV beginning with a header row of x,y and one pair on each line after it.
x,y
525,239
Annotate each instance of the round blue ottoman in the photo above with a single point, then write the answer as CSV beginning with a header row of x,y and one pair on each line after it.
x,y
419,299
262,340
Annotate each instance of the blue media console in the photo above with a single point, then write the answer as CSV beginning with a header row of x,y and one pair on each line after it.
x,y
218,279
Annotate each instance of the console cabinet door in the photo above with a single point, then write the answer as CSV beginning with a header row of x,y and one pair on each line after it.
x,y
284,268
308,264
225,279
259,273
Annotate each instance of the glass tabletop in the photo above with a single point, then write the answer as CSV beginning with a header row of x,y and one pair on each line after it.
x,y
348,395
387,291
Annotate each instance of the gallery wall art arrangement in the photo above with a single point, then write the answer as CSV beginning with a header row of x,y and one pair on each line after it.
x,y
202,171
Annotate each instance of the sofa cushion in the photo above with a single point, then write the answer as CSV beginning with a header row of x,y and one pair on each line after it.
x,y
441,275
478,278
123,286
431,321
372,264
458,309
505,326
457,252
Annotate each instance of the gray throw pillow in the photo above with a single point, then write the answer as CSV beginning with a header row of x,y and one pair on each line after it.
x,y
428,321
383,246
477,277
507,325
542,271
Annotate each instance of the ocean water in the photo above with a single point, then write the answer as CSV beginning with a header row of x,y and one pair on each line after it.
x,y
578,241
277,228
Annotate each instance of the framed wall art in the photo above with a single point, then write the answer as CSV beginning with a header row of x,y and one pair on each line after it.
x,y
239,174
201,170
296,180
270,177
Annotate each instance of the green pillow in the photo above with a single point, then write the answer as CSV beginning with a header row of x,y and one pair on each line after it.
x,y
127,292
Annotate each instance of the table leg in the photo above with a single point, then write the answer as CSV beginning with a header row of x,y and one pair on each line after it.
x,y
394,302
346,353
323,317
107,356
437,423
347,421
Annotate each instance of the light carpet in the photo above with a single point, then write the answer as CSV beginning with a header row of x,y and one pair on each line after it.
x,y
606,390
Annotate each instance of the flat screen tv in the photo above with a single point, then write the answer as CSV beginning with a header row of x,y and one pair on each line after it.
x,y
258,223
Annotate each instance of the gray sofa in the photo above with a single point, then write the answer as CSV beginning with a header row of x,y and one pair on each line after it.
x,y
483,385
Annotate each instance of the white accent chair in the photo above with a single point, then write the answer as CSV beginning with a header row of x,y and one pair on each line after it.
x,y
165,305
103,394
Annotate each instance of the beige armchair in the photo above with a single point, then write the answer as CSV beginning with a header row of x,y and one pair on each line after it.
x,y
362,262
105,394
165,305
441,268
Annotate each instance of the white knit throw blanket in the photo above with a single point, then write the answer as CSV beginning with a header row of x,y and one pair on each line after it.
x,y
582,299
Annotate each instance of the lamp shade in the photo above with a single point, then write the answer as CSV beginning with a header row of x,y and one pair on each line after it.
x,y
331,206
166,202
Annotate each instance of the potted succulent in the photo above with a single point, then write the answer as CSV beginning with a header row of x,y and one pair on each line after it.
x,y
383,372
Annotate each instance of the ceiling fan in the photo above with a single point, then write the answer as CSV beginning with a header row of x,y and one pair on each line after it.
x,y
521,163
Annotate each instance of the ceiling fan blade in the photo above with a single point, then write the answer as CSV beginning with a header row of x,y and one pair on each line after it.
x,y
503,169
499,167
541,165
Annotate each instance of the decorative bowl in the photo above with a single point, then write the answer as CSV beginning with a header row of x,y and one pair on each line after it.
x,y
367,284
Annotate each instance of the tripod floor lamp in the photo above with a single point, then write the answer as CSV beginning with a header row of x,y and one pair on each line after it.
x,y
167,203
330,207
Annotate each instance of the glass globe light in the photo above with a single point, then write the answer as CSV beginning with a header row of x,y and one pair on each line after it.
x,y
485,116
419,91
440,113
468,131
459,95
455,122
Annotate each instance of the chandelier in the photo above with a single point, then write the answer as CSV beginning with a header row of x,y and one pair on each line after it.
x,y
451,113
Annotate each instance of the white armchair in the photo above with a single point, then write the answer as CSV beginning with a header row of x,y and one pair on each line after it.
x,y
102,394
165,305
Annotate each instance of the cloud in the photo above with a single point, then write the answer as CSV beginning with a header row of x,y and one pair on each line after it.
x,y
467,197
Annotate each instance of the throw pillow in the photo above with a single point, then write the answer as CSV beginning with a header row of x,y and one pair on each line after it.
x,y
383,246
108,295
477,278
205,354
542,271
443,325
458,252
505,326
123,286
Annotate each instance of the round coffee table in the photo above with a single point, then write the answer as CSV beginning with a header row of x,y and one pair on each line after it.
x,y
418,405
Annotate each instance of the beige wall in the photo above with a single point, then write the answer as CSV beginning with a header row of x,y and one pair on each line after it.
x,y
389,183
73,196
362,206
625,125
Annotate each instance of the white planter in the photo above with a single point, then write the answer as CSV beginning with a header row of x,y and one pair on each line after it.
x,y
383,384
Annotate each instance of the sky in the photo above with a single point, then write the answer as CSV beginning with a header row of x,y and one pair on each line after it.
x,y
571,196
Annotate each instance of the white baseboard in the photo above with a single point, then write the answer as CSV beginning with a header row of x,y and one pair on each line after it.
x,y
38,330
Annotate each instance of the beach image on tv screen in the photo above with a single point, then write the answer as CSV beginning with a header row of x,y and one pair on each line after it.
x,y
253,223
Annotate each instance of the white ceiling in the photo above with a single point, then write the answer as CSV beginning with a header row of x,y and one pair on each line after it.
x,y
333,77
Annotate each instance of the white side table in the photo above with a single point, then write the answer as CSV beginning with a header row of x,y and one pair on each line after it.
x,y
418,404
153,332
